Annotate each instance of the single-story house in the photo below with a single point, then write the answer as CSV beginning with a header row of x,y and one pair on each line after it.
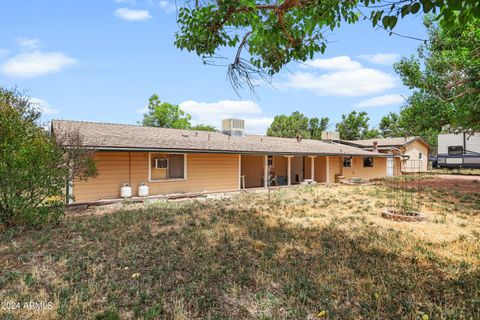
x,y
413,150
187,161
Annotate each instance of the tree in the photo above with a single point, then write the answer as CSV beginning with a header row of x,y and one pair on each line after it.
x,y
33,167
275,33
445,78
317,126
390,126
354,126
290,126
423,116
78,161
167,115
203,127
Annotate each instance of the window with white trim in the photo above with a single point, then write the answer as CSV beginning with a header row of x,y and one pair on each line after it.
x,y
347,162
167,166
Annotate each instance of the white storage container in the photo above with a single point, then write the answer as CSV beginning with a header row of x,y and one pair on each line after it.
x,y
126,191
143,190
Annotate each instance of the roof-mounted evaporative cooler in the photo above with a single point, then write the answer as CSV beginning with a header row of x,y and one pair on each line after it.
x,y
330,136
233,127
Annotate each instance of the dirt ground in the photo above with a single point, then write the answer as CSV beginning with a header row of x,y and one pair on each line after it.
x,y
463,184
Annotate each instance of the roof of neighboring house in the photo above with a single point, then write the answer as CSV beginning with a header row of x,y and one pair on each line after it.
x,y
385,142
107,136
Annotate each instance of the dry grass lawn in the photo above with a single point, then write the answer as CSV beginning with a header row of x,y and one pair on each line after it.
x,y
307,253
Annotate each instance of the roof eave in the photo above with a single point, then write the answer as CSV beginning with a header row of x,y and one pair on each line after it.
x,y
183,150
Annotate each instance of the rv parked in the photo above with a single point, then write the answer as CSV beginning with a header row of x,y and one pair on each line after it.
x,y
459,150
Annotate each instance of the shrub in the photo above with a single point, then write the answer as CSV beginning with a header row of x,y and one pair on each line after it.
x,y
33,167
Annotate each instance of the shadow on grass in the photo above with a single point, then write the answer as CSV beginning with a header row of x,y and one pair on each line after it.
x,y
214,261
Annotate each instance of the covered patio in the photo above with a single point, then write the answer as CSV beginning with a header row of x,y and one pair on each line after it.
x,y
284,170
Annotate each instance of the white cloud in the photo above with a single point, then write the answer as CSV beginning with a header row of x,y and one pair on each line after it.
x,y
221,107
29,43
32,64
335,63
358,82
133,15
379,101
212,113
257,125
43,106
167,6
381,58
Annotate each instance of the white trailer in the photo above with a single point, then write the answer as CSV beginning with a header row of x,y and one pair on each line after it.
x,y
459,150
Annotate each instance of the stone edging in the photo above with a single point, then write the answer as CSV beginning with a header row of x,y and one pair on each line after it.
x,y
388,214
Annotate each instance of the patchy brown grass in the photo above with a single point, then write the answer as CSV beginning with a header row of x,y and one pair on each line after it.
x,y
309,252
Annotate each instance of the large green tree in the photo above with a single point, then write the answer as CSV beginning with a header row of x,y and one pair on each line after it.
x,y
354,126
276,32
34,167
167,115
390,126
445,77
290,126
420,116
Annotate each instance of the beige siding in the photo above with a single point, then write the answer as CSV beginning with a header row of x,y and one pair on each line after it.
x,y
335,167
320,169
414,164
205,172
252,169
379,169
297,169
308,169
279,166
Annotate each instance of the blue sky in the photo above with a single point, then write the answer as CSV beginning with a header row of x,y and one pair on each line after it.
x,y
100,60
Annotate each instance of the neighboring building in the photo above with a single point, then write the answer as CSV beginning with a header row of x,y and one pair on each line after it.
x,y
413,151
459,150
184,161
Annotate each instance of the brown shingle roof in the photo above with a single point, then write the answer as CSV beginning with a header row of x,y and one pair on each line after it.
x,y
106,136
385,142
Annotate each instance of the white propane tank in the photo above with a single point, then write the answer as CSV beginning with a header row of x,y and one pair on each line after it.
x,y
126,191
143,190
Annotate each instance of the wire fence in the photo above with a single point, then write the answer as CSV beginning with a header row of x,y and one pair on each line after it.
x,y
405,189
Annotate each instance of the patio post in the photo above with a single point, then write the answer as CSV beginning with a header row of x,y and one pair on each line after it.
x,y
312,167
265,172
328,169
289,170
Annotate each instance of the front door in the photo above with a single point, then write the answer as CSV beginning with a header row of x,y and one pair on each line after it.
x,y
390,162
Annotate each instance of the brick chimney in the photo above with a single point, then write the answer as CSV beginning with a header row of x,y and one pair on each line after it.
x,y
375,146
299,137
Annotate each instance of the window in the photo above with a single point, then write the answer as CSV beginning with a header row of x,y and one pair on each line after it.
x,y
455,150
420,155
367,162
347,162
167,166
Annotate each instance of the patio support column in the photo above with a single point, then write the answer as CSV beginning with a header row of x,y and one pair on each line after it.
x,y
289,170
265,172
239,172
312,167
328,169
